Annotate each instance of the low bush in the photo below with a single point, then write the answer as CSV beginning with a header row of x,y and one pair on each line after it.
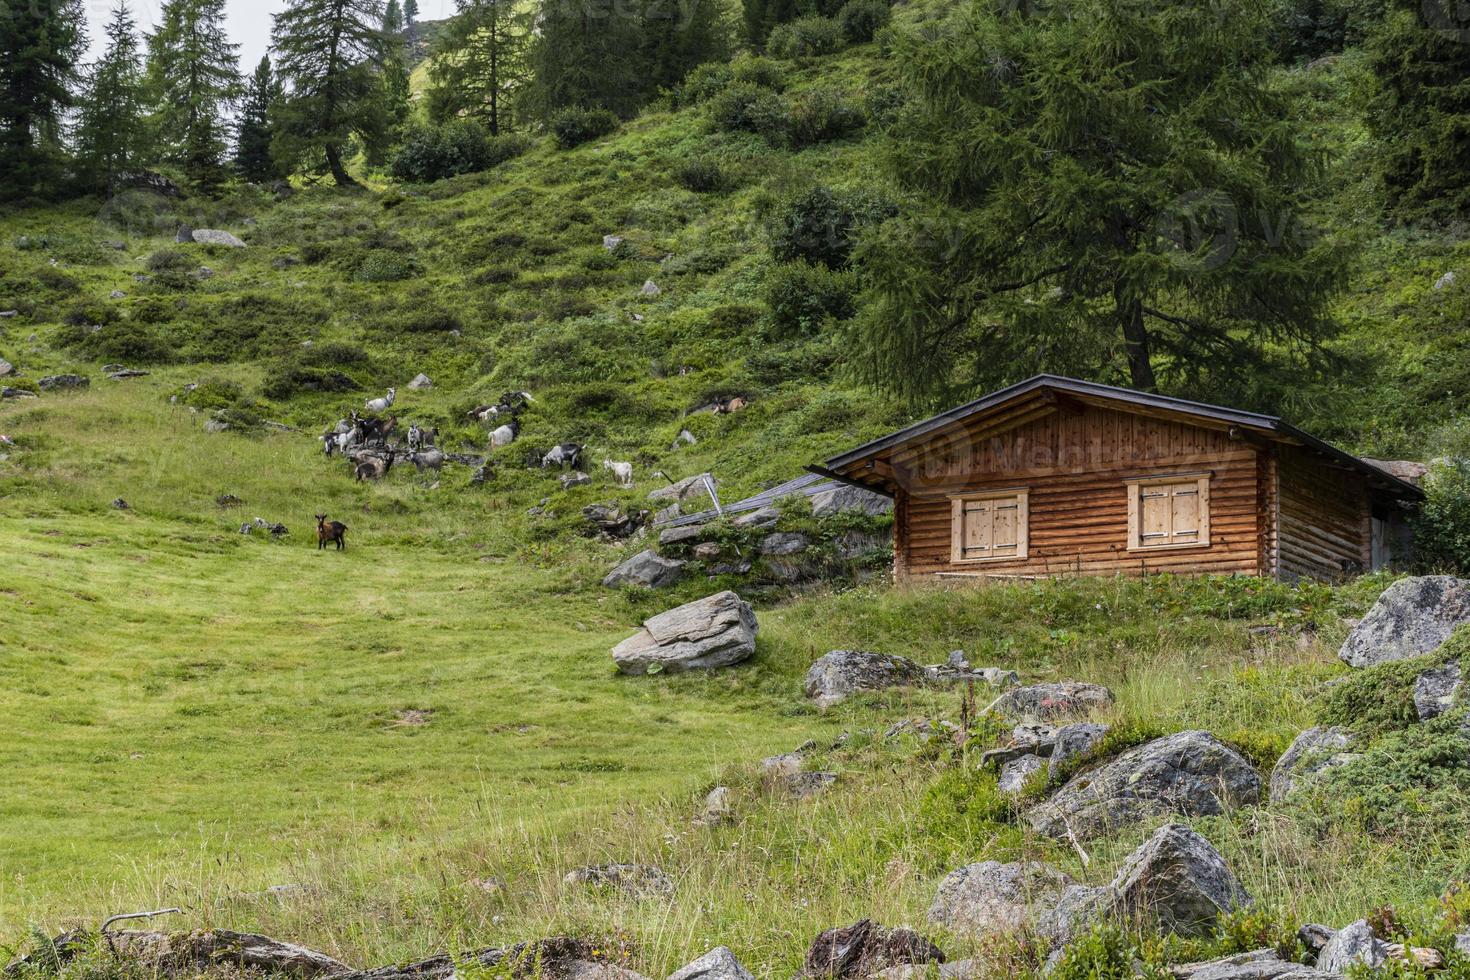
x,y
573,127
821,225
702,84
802,297
821,115
167,259
210,394
761,72
860,20
285,380
1442,524
1415,776
430,153
703,175
806,37
744,107
1374,700
381,265
128,342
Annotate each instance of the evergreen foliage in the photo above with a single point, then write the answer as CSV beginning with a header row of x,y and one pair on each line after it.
x,y
40,44
108,137
479,64
263,95
193,80
1102,187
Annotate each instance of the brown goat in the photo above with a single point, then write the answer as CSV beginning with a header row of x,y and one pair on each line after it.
x,y
328,531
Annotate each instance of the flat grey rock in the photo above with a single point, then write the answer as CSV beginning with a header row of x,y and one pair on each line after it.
x,y
1015,772
713,632
632,879
718,964
1073,741
784,543
1412,617
646,569
213,236
760,517
844,497
1260,964
839,674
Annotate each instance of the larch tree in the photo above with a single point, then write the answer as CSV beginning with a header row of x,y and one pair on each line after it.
x,y
479,62
582,56
193,81
1102,187
108,134
41,42
256,129
332,54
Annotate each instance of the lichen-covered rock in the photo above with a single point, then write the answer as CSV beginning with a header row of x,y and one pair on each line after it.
x,y
1353,945
1048,702
647,569
1310,752
631,879
784,543
213,236
1412,617
1178,881
1435,690
845,497
1073,741
991,898
864,948
1014,773
63,382
718,964
842,673
1074,913
1190,773
714,632
1260,964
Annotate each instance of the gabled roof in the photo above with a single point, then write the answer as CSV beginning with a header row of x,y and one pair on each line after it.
x,y
1050,385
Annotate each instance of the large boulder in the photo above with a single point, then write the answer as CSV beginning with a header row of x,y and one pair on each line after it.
x,y
1412,617
1310,752
1177,880
845,497
1190,773
647,569
1352,946
841,673
1260,964
713,632
991,898
718,964
1435,690
1048,702
213,236
864,948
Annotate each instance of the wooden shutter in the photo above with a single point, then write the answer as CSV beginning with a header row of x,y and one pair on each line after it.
x,y
1169,513
989,527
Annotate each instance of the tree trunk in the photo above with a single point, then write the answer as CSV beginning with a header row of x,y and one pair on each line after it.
x,y
1135,338
339,172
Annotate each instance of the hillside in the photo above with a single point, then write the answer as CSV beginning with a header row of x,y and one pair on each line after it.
x,y
402,748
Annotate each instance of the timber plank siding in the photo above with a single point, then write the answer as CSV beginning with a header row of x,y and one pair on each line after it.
x,y
1107,482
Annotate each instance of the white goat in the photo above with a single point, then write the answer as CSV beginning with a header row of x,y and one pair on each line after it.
x,y
506,434
623,472
382,404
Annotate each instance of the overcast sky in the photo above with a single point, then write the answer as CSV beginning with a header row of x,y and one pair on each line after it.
x,y
249,22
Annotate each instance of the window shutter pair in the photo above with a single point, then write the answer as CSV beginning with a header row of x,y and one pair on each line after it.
x,y
1169,513
988,527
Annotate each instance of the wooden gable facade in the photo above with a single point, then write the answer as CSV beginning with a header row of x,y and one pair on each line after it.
x,y
1061,477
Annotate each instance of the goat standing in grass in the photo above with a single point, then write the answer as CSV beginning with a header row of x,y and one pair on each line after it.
x,y
429,459
328,531
373,468
384,403
623,472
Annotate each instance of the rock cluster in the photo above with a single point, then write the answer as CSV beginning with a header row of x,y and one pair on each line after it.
x,y
839,674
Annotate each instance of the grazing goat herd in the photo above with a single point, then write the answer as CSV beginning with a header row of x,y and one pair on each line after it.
x,y
363,438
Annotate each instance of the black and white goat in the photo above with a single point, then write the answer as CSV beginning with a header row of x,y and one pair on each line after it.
x,y
562,456
506,434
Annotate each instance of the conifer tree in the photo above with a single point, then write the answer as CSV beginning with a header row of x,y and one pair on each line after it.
x,y
193,81
41,42
262,100
332,53
410,13
109,124
676,36
479,62
1105,187
580,57
393,18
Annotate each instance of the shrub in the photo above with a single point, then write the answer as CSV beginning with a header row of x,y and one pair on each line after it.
x,y
212,393
821,226
430,321
821,115
1103,954
431,153
760,72
286,379
167,259
807,37
382,265
802,297
703,175
861,19
702,84
1373,700
573,127
128,342
1442,525
749,108
1419,775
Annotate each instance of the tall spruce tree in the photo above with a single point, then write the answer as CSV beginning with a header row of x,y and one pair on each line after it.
x,y
332,52
1420,111
1105,187
393,17
410,13
677,35
253,137
479,62
397,87
580,57
41,42
193,80
109,121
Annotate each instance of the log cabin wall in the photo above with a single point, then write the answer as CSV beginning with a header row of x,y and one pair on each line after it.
x,y
1075,466
1325,524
